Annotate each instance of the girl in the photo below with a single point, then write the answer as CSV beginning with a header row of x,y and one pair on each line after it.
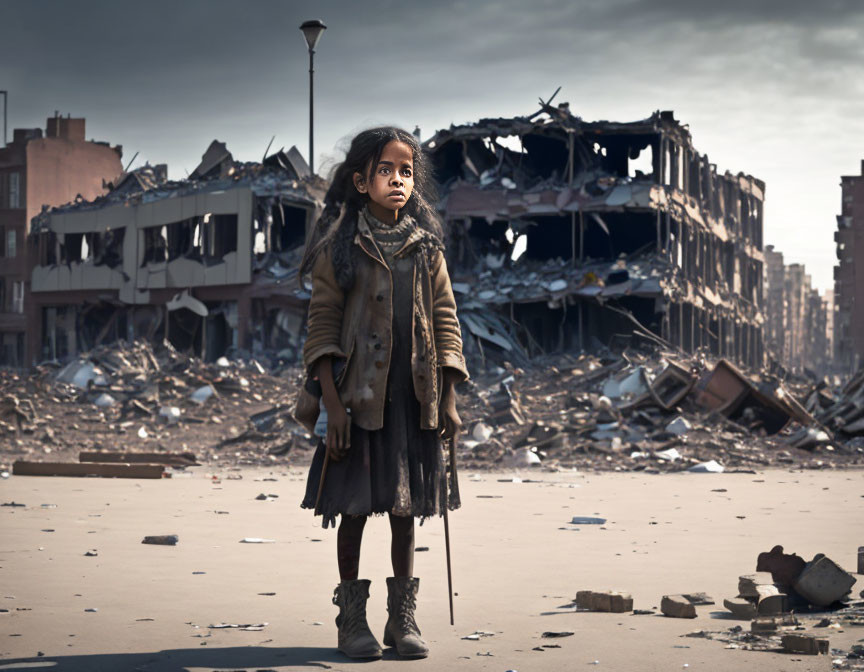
x,y
384,342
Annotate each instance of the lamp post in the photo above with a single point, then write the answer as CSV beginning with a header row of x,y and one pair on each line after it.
x,y
312,32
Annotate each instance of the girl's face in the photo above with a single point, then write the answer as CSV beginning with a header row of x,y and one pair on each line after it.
x,y
392,181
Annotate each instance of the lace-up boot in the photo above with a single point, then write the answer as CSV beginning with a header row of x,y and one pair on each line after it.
x,y
401,630
355,638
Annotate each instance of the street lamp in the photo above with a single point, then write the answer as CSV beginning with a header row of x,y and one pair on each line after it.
x,y
312,32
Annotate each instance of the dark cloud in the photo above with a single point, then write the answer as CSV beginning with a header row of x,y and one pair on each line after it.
x,y
768,87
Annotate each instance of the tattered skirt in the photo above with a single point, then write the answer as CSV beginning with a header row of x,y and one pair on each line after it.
x,y
398,469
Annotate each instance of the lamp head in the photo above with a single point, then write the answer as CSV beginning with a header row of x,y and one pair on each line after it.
x,y
312,32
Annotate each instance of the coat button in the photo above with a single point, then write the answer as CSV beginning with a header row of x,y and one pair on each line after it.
x,y
380,297
377,346
379,364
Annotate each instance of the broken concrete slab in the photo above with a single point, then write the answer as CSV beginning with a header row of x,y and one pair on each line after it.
x,y
677,606
773,604
608,601
741,608
823,582
810,645
119,470
747,583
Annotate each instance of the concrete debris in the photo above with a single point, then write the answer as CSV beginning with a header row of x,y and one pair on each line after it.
x,y
607,601
749,583
741,608
810,645
677,606
822,582
679,426
162,540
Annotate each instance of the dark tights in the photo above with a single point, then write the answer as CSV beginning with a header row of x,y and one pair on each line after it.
x,y
401,546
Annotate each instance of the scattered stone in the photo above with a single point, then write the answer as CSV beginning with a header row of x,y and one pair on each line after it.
x,y
771,605
747,583
257,540
679,426
741,608
562,633
698,598
92,553
608,601
810,645
768,625
587,520
162,540
677,606
823,582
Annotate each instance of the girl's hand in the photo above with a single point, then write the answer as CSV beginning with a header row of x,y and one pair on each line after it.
x,y
338,432
448,415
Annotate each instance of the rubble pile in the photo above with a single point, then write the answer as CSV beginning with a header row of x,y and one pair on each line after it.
x,y
643,410
652,410
133,397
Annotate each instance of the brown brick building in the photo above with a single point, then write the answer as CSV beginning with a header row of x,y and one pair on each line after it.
x,y
36,170
849,283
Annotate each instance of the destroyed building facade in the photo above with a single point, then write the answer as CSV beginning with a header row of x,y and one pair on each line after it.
x,y
208,263
567,234
36,169
849,313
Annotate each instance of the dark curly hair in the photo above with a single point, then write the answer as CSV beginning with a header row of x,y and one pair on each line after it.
x,y
337,224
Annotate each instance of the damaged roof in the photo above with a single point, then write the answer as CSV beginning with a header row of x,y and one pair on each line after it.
x,y
282,174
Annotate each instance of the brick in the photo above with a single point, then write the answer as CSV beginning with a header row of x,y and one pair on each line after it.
x,y
823,582
610,601
741,608
806,644
768,625
747,583
677,606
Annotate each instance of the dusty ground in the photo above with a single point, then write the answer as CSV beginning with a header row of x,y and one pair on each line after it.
x,y
516,561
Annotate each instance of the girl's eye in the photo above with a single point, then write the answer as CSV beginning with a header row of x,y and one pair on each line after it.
x,y
406,172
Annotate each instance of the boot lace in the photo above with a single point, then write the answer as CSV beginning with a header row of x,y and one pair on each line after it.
x,y
404,612
352,610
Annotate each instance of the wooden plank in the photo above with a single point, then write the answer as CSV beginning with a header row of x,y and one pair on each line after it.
x,y
24,468
174,459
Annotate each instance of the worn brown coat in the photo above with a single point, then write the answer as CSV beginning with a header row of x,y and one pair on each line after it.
x,y
357,326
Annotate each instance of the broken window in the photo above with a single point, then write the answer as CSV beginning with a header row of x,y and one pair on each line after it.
x,y
155,245
70,248
220,236
183,239
47,248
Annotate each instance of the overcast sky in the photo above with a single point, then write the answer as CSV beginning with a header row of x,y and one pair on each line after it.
x,y
768,87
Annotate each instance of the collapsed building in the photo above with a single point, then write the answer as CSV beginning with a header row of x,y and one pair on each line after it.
x,y
567,234
208,263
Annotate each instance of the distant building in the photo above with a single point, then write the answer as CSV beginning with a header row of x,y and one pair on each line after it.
x,y
208,263
39,170
569,234
849,282
798,321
